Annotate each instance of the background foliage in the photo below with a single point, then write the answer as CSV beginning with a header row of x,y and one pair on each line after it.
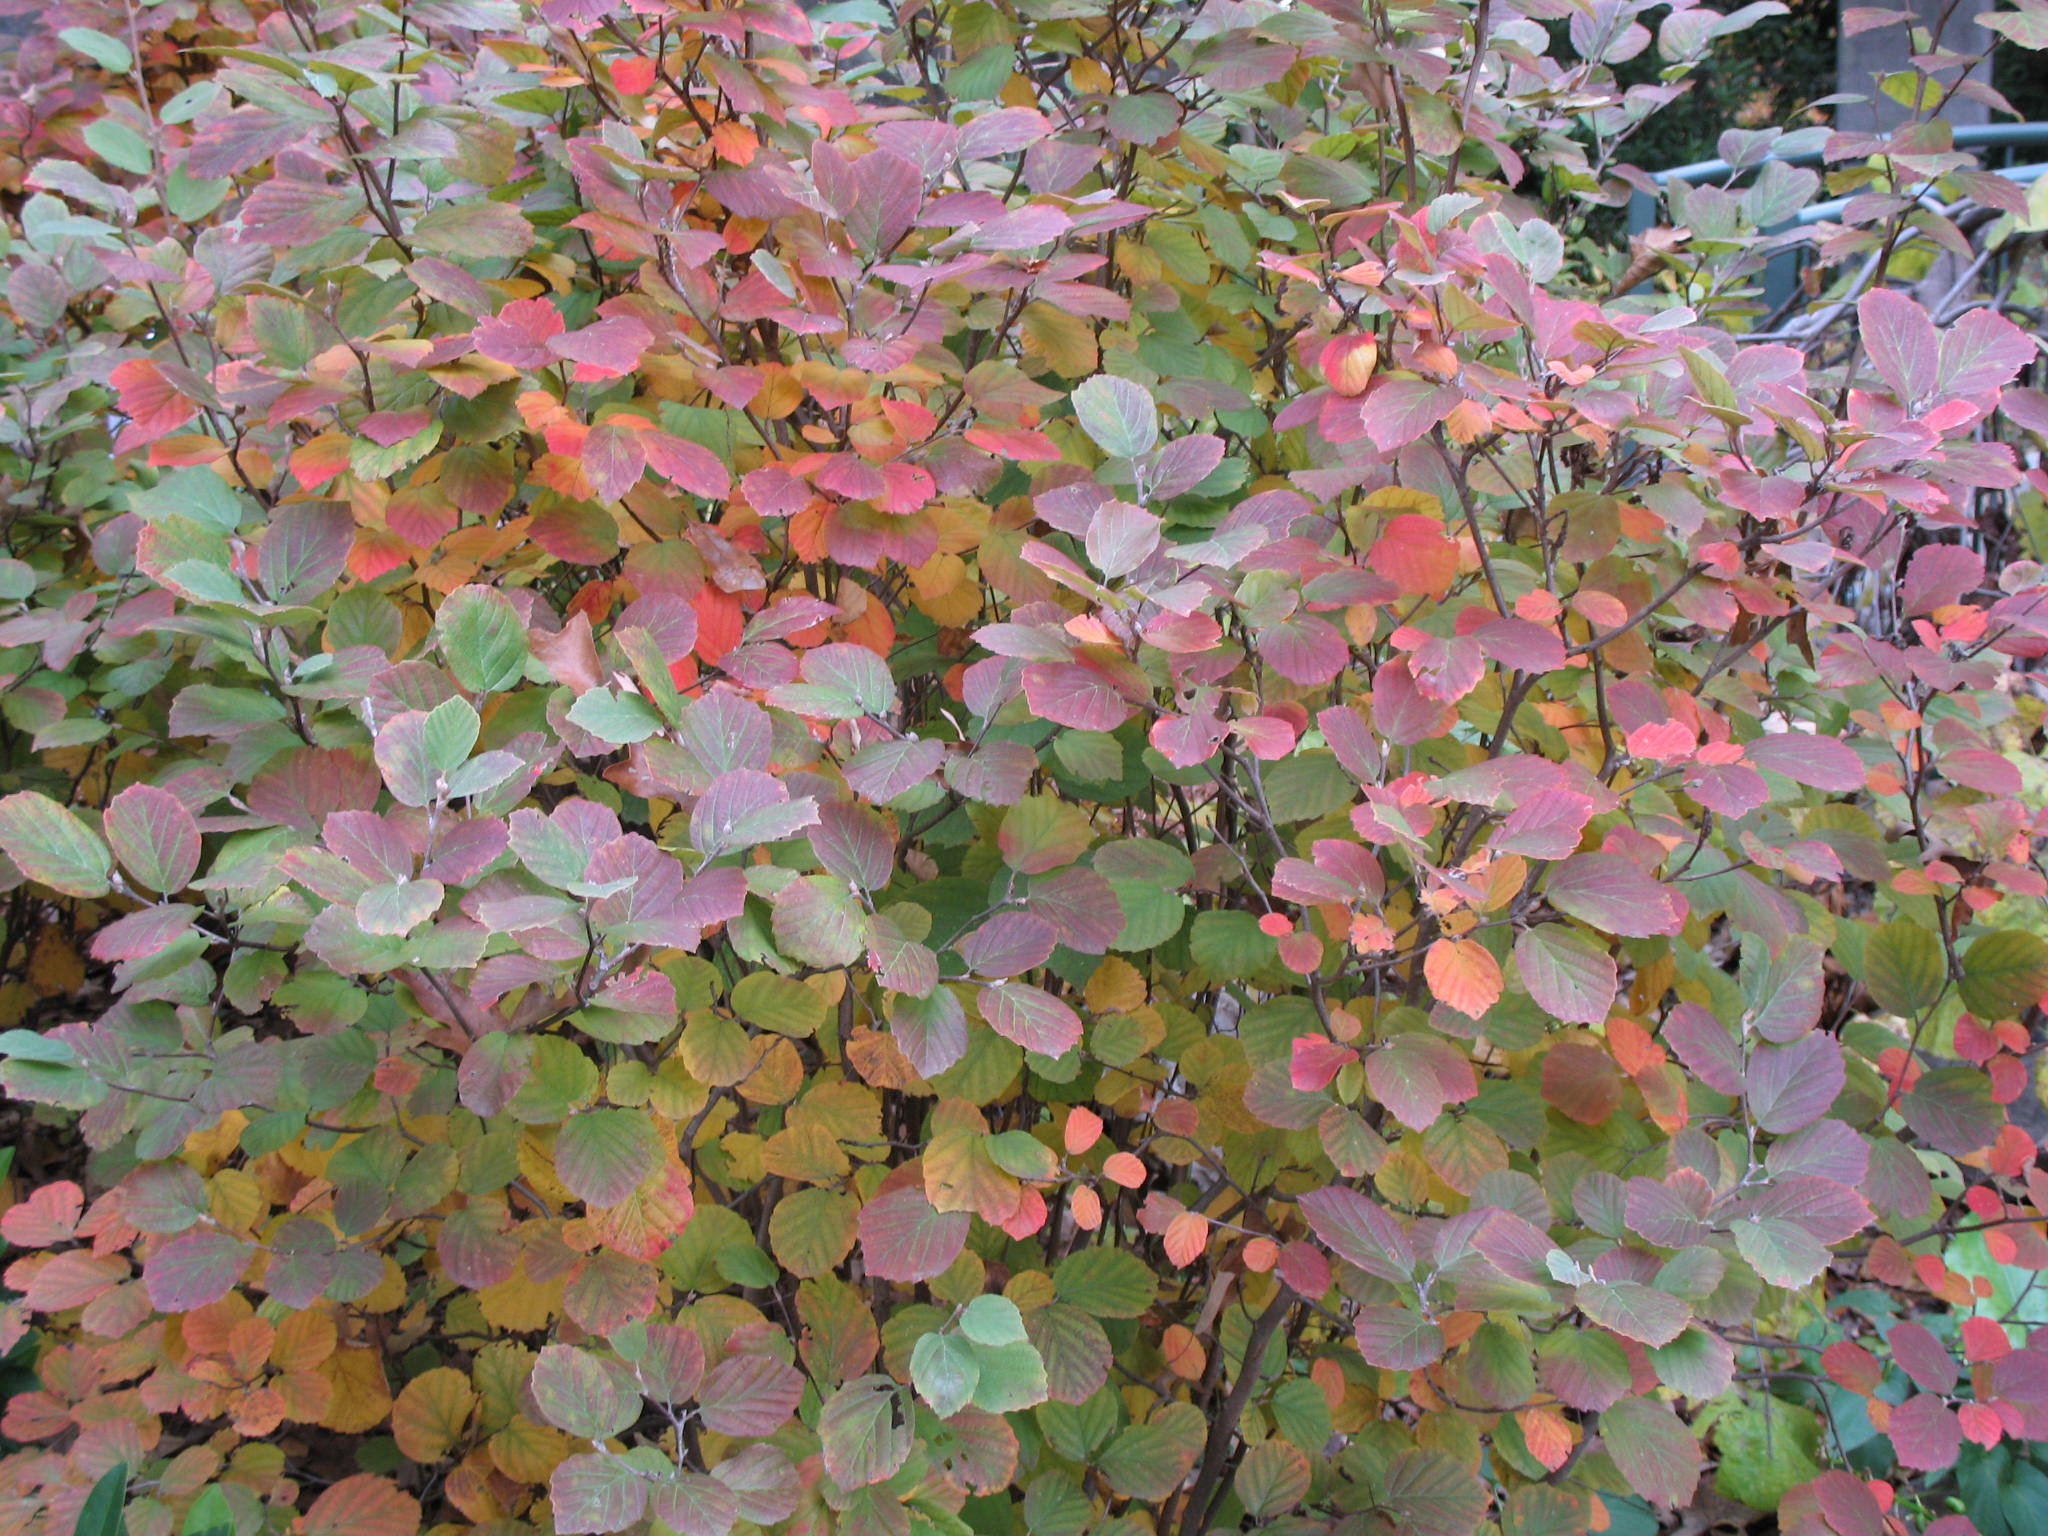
x,y
1022,767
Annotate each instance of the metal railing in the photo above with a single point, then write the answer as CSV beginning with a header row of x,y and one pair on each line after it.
x,y
1781,275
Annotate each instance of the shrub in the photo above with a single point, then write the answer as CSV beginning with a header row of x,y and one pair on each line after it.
x,y
1002,768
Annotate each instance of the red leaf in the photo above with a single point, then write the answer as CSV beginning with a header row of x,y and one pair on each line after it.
x,y
1925,1433
519,333
613,458
690,465
606,349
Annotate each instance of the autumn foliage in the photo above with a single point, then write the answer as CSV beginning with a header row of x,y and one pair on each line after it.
x,y
1009,767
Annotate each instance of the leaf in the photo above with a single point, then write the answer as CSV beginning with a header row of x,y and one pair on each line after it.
x,y
863,1435
1904,967
1952,1110
1360,1233
1432,1494
1820,762
818,921
945,1371
195,1269
102,1513
2005,973
577,1394
1925,1433
1634,1311
1397,1339
53,847
362,1506
903,1238
1981,350
1118,414
603,1155
429,1416
596,1492
1462,974
1791,1086
1585,1368
1031,1017
154,837
1614,895
749,1395
481,638
1903,345
1568,975
1781,1252
1105,1282
1657,1455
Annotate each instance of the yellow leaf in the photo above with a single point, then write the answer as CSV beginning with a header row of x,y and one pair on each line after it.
x,y
431,1414
207,1149
389,1294
519,1305
1116,987
810,1154
362,1397
528,1452
1064,342
304,1340
236,1200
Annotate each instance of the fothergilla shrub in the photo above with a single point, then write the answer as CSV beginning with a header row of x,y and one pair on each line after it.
x,y
1019,766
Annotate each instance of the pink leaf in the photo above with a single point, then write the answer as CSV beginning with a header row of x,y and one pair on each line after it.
x,y
519,333
903,1238
1982,351
1902,342
606,349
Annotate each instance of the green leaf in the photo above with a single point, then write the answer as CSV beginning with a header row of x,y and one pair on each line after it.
x,y
2004,974
619,718
603,1155
1012,1377
1432,1494
945,1371
104,1512
449,734
863,1438
1107,1282
779,1003
110,54
992,1320
1767,1447
53,847
1904,967
1230,945
1118,414
481,639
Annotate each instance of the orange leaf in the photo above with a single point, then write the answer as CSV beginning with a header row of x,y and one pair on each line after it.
x,y
1464,975
1087,1208
362,1506
1122,1168
1185,1356
1083,1129
1547,1434
1186,1237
